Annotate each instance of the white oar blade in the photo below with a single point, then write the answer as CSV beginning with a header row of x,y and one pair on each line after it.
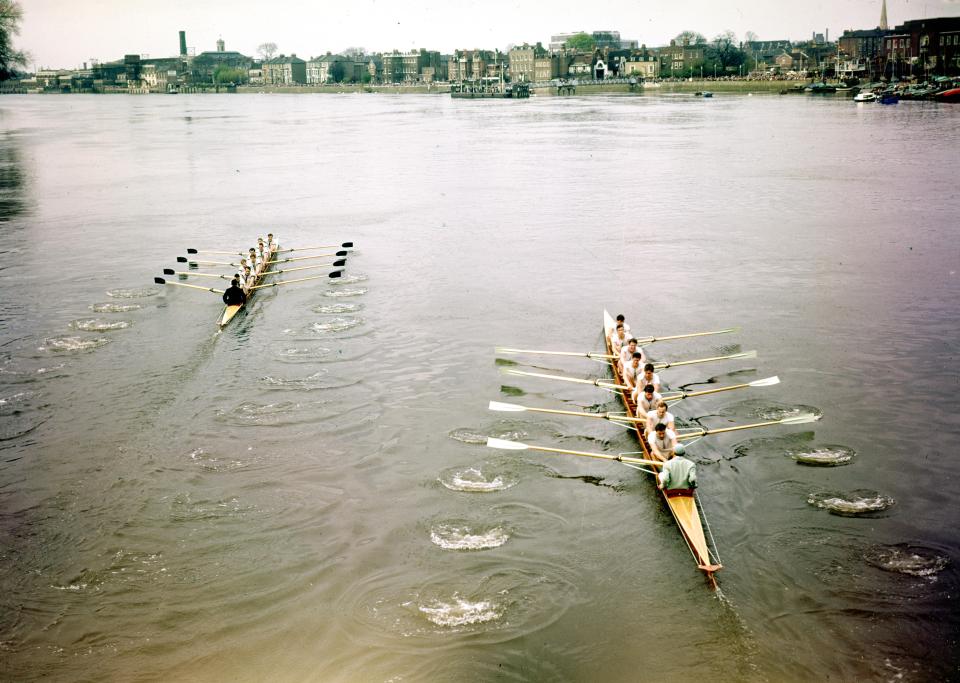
x,y
800,419
768,382
504,349
506,407
506,445
745,354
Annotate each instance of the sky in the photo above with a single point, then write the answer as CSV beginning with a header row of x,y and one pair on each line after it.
x,y
66,33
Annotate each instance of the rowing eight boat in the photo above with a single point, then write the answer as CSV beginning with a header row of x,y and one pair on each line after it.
x,y
229,312
682,502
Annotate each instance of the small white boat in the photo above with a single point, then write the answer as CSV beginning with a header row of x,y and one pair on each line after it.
x,y
865,97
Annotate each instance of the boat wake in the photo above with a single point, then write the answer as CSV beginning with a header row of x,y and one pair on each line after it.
x,y
907,559
476,438
114,308
461,535
72,344
96,325
853,504
141,293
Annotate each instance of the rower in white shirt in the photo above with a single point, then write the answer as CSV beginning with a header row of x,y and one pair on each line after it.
x,y
271,245
662,441
660,415
618,339
626,354
623,321
631,370
648,376
255,262
648,400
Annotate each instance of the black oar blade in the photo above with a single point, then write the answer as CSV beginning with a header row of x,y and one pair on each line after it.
x,y
159,280
341,253
192,251
181,259
340,264
169,271
336,273
347,245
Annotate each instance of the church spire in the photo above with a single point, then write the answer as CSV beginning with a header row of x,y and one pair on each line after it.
x,y
883,17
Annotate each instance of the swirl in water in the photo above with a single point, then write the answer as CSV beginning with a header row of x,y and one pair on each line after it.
x,y
71,344
355,291
342,307
336,324
457,536
472,436
824,456
460,612
907,559
852,504
475,480
114,308
94,325
121,293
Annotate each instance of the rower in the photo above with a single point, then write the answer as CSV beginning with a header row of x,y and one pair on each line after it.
x,y
618,339
662,441
626,353
660,415
632,372
678,473
248,279
648,376
623,321
648,400
255,263
271,245
233,295
261,249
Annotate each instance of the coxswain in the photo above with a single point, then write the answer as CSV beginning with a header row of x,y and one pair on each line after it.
x,y
678,472
662,441
618,339
648,400
660,415
648,376
234,296
632,371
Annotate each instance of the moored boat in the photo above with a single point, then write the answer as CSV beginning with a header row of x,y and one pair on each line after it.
x,y
865,97
682,503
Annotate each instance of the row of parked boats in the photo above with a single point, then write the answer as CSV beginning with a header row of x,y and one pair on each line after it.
x,y
940,89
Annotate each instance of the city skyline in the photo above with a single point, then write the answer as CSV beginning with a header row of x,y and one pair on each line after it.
x,y
107,29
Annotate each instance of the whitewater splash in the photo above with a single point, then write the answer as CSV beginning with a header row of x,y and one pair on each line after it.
x,y
114,308
72,344
475,480
823,456
142,293
851,504
907,559
95,325
356,291
458,536
348,279
460,612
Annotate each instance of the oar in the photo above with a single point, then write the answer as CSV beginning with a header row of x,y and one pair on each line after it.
x,y
184,259
210,251
336,264
171,271
768,382
345,245
517,446
745,354
581,354
595,382
514,408
161,281
307,258
650,340
795,420
335,273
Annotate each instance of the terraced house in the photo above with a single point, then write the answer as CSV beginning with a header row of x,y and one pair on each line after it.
x,y
284,70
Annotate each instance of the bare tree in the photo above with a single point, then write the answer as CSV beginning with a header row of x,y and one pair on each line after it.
x,y
10,16
750,37
690,38
267,50
355,52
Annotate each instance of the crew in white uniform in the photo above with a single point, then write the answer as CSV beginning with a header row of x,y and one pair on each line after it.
x,y
648,376
662,441
649,400
626,354
617,340
660,415
631,371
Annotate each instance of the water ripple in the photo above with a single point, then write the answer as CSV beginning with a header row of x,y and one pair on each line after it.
x,y
72,344
339,324
907,559
853,504
484,478
355,291
133,293
462,535
114,308
97,325
823,456
341,307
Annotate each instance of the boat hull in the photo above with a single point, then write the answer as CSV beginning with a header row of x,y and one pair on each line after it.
x,y
683,505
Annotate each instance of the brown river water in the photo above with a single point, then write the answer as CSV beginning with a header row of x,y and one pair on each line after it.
x,y
306,496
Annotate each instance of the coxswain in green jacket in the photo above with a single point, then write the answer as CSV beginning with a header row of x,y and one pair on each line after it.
x,y
678,472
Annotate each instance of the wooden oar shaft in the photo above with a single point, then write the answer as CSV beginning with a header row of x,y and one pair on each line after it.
x,y
320,246
650,340
580,354
290,270
302,258
564,378
188,274
664,366
600,456
704,392
721,430
289,282
551,411
183,284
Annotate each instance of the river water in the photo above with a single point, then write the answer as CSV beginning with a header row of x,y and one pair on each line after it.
x,y
306,496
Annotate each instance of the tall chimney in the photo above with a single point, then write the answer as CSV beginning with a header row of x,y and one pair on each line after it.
x,y
183,43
